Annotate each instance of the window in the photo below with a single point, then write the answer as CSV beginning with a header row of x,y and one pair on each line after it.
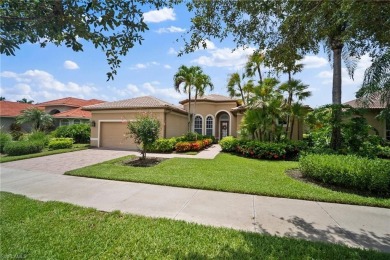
x,y
224,117
209,126
76,121
198,125
64,122
388,129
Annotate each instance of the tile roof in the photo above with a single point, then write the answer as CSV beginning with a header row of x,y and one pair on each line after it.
x,y
375,104
74,113
212,97
134,103
70,101
13,109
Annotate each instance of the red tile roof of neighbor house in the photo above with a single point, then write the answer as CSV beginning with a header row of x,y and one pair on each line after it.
x,y
213,98
135,103
13,109
74,113
375,104
71,102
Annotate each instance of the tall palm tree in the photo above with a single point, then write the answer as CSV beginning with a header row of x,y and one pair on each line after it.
x,y
294,89
185,77
202,81
253,65
38,118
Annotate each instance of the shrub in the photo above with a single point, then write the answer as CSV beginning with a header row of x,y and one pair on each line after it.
x,y
197,145
383,152
190,137
80,133
262,150
163,145
16,131
348,171
23,147
183,147
60,143
4,139
229,144
39,136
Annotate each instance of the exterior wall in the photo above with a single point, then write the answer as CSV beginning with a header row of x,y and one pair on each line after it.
x,y
206,108
122,116
377,124
6,122
175,124
57,121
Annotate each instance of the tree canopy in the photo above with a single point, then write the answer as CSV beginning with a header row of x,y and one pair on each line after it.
x,y
113,26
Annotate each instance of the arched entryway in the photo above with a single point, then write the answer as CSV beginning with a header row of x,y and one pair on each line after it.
x,y
223,125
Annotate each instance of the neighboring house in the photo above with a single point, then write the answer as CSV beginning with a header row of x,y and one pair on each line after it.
x,y
214,115
372,111
9,111
67,111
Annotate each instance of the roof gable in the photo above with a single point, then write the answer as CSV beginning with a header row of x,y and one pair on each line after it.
x,y
74,113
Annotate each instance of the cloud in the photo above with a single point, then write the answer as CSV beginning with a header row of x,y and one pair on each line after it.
x,y
157,16
139,66
70,65
312,61
172,51
224,57
172,29
166,66
40,85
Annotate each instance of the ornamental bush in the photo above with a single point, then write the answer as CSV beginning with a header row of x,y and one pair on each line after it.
x,y
38,136
229,144
23,147
60,143
183,147
349,171
163,145
80,133
4,139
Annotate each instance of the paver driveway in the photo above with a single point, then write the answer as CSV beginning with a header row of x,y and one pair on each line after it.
x,y
60,163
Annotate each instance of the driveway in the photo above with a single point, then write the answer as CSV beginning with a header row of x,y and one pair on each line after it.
x,y
60,163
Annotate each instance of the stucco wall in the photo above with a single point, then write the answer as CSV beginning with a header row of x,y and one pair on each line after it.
x,y
377,124
175,124
121,116
6,122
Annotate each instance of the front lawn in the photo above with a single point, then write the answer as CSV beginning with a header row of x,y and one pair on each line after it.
x,y
76,147
53,230
227,173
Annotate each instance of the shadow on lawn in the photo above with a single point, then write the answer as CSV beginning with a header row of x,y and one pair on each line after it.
x,y
333,234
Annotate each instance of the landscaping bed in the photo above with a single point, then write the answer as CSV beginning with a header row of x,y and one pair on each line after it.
x,y
55,230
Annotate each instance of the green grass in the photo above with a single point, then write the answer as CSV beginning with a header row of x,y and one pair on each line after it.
x,y
227,173
52,230
45,152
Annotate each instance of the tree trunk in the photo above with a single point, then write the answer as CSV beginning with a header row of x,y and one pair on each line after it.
x,y
292,127
189,110
289,101
242,94
261,77
336,137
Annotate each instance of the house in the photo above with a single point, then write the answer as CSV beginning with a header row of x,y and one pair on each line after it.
x,y
9,111
213,115
371,112
67,111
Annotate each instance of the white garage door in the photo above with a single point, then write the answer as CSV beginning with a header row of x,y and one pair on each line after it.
x,y
113,135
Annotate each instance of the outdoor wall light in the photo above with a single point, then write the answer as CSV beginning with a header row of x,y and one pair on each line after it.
x,y
93,123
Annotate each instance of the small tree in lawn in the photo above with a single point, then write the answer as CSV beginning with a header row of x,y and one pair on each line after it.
x,y
144,131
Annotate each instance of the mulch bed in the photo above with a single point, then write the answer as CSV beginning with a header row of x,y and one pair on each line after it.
x,y
147,162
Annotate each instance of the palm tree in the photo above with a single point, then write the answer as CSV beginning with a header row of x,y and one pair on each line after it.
x,y
186,77
38,118
253,65
293,88
202,81
24,100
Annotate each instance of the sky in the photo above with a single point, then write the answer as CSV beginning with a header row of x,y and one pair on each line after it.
x,y
43,74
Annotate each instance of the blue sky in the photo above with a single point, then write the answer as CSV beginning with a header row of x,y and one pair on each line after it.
x,y
42,74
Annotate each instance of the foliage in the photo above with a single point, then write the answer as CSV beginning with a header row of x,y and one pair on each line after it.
x,y
4,139
16,131
163,145
60,143
228,173
24,100
39,119
113,27
348,171
236,87
384,152
80,133
228,144
38,136
186,146
144,130
190,136
23,147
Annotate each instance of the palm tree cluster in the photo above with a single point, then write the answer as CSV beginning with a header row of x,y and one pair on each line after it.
x,y
38,119
192,79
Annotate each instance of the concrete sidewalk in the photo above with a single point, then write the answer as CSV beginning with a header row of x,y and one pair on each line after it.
x,y
356,226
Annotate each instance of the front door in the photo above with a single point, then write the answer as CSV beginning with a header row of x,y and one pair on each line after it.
x,y
224,129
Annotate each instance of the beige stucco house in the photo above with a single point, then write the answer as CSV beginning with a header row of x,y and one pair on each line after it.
x,y
214,115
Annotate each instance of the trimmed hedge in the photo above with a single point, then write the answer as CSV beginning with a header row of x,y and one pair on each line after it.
x,y
23,147
348,171
80,133
163,145
193,146
263,150
60,143
4,139
39,137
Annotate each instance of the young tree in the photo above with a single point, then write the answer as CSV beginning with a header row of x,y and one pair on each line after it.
x,y
39,119
113,26
145,131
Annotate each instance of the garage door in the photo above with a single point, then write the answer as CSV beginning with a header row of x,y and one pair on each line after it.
x,y
112,135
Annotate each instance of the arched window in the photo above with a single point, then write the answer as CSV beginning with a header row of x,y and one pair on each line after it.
x,y
198,128
54,111
64,122
209,125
